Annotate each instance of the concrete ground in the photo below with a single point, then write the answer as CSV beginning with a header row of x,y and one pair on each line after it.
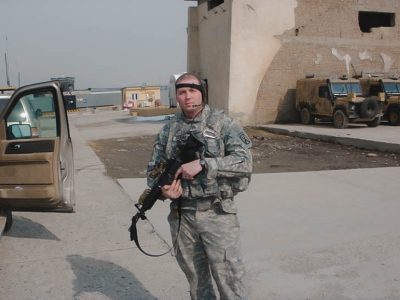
x,y
306,235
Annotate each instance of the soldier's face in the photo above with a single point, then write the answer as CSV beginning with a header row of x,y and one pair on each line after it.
x,y
190,99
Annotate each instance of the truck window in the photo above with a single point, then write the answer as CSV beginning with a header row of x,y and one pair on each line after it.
x,y
36,112
323,92
392,88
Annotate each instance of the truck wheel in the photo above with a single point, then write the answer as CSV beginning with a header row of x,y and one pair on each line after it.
x,y
8,214
375,122
369,108
305,116
394,117
340,120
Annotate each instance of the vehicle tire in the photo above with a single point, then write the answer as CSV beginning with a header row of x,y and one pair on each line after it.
x,y
9,220
374,123
369,108
305,116
340,120
394,117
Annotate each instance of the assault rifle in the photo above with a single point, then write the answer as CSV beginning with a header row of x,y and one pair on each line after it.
x,y
186,153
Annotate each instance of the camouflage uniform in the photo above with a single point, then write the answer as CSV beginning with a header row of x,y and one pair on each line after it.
x,y
208,241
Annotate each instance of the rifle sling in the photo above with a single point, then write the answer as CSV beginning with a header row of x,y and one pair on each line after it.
x,y
134,234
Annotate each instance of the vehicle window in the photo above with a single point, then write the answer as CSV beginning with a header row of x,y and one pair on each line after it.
x,y
339,89
323,92
345,88
354,87
33,116
392,88
17,115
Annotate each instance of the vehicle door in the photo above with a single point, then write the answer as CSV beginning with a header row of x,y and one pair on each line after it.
x,y
36,155
324,101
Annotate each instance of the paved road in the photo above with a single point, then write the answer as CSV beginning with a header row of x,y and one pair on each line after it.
x,y
87,254
306,235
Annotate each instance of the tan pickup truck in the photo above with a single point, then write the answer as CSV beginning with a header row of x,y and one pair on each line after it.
x,y
37,167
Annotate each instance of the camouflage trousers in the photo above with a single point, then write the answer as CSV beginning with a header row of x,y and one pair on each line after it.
x,y
208,247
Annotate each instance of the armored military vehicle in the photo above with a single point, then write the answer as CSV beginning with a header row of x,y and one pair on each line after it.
x,y
391,89
339,100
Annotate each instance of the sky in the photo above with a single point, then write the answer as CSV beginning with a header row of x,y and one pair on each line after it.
x,y
102,43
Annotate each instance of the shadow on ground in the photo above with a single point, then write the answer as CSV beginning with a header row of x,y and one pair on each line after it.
x,y
26,228
94,276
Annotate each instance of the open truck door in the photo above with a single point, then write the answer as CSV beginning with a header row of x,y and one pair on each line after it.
x,y
36,155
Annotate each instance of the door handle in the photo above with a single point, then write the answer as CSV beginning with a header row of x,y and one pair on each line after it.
x,y
16,147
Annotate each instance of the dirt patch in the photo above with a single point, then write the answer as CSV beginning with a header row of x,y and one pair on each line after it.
x,y
128,157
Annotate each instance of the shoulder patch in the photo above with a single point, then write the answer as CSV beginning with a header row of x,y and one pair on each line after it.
x,y
244,138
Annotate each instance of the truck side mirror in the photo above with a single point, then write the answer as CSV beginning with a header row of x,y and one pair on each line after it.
x,y
19,131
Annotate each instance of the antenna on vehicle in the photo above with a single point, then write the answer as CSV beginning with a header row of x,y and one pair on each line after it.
x,y
5,57
7,76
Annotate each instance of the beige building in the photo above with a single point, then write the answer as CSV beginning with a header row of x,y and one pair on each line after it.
x,y
252,51
141,97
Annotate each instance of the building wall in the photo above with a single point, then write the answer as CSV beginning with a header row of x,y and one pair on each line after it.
x,y
209,41
144,96
97,98
327,41
193,47
254,46
253,51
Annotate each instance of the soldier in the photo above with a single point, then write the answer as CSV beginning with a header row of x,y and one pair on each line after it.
x,y
208,238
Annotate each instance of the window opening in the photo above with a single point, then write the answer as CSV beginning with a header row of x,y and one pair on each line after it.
x,y
392,88
214,3
372,19
323,92
345,88
33,116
